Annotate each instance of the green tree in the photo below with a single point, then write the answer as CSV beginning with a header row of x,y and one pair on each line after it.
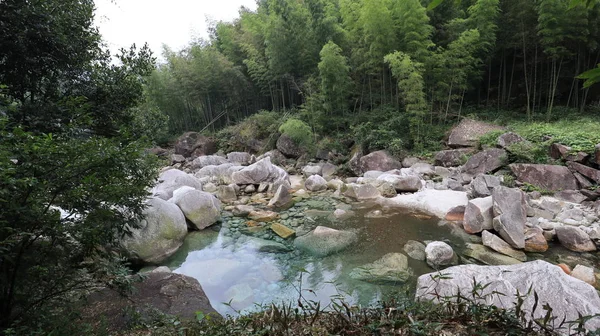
x,y
335,79
412,24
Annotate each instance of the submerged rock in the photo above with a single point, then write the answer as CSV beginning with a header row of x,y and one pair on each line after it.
x,y
415,250
323,241
566,295
282,230
391,268
495,243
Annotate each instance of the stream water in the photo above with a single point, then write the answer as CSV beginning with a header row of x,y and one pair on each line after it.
x,y
237,278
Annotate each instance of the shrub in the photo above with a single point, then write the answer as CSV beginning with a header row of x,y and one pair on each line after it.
x,y
246,135
298,131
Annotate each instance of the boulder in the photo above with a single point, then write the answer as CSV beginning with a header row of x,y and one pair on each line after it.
x,y
488,256
221,174
567,296
585,274
192,144
315,183
559,151
379,160
508,139
439,254
328,169
487,161
423,168
589,172
242,210
282,198
547,177
177,158
391,268
173,179
311,170
361,192
409,161
482,185
415,250
479,215
260,172
159,234
495,243
535,240
386,190
168,293
208,160
456,214
452,157
199,207
575,239
263,215
572,196
468,132
226,193
288,147
409,183
276,157
239,158
433,202
323,241
511,215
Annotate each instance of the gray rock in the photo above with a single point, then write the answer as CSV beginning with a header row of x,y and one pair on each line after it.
x,y
282,198
310,170
495,243
574,239
409,161
589,172
220,174
288,147
452,157
260,172
440,254
559,151
387,190
323,241
479,215
374,174
173,179
250,189
573,196
276,157
177,158
482,185
391,268
584,273
434,202
468,132
409,183
159,234
379,160
239,158
566,295
423,168
354,162
488,256
208,160
596,159
201,208
487,161
547,177
242,210
415,250
194,144
361,191
508,139
535,241
328,169
315,183
161,269
511,216
226,193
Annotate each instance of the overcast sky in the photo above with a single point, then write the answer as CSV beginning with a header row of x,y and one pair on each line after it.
x,y
172,22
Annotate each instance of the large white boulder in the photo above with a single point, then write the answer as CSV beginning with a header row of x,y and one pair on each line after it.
x,y
173,179
201,208
566,295
431,201
159,234
260,172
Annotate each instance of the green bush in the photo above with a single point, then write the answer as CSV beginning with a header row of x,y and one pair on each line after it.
x,y
243,136
298,131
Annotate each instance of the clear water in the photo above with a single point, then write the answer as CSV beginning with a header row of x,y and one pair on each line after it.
x,y
237,278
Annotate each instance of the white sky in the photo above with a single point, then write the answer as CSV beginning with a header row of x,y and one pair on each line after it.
x,y
172,22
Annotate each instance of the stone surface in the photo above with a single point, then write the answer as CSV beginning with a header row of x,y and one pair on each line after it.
x,y
312,170
434,202
379,160
177,158
221,174
585,274
159,234
391,268
566,295
559,151
410,161
589,172
282,198
226,193
242,210
315,183
173,179
361,192
596,159
267,246
575,239
488,256
468,132
482,185
387,190
508,139
194,144
511,215
452,157
415,250
479,215
239,158
208,160
439,254
535,240
260,172
456,214
495,243
328,170
263,215
168,293
409,183
288,147
486,161
547,177
323,241
573,196
282,230
199,207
